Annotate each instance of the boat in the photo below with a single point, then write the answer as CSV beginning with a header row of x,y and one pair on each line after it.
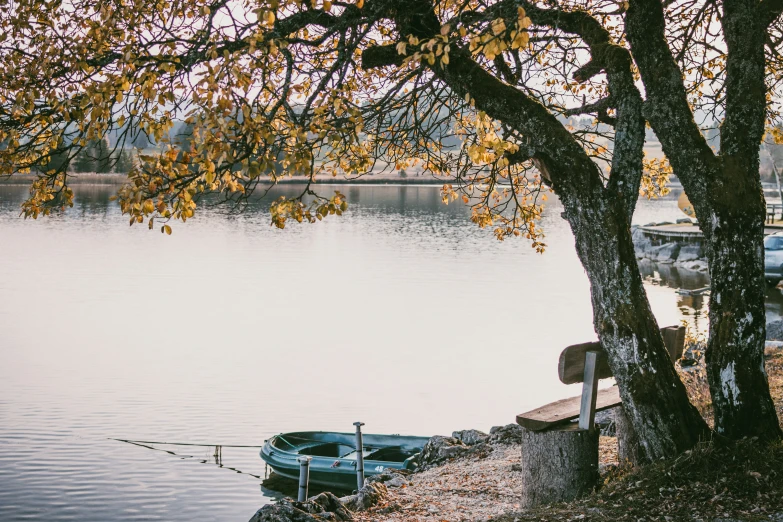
x,y
334,455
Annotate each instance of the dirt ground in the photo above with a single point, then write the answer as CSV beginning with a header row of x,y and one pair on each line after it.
x,y
487,488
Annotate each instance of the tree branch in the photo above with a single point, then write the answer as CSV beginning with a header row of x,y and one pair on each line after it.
x,y
667,107
770,10
743,124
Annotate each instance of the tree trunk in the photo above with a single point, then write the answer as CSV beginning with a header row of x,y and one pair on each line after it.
x,y
629,450
654,398
735,353
726,193
558,465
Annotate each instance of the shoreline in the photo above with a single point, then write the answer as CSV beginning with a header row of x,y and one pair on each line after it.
x,y
476,476
91,178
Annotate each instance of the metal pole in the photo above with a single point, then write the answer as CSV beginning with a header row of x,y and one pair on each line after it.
x,y
780,191
359,455
304,477
777,178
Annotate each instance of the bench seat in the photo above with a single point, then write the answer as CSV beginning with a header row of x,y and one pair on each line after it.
x,y
566,410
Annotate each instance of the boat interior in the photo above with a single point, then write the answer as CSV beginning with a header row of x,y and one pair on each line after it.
x,y
346,451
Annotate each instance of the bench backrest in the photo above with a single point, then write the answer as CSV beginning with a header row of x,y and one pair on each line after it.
x,y
571,368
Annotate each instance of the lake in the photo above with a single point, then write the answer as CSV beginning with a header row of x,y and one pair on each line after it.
x,y
401,314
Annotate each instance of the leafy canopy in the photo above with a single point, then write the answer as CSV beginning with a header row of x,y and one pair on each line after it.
x,y
276,88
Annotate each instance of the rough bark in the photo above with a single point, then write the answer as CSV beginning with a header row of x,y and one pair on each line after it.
x,y
558,465
629,450
727,197
654,397
735,354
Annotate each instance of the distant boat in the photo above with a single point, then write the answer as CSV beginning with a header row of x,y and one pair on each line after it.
x,y
333,455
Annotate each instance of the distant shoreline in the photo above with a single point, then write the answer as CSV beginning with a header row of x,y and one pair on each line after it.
x,y
90,178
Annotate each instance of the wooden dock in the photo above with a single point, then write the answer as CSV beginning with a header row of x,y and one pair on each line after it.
x,y
689,232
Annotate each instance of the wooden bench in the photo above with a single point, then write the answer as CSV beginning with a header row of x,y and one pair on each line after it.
x,y
586,363
560,457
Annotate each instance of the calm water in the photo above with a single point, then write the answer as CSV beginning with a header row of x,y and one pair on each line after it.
x,y
401,314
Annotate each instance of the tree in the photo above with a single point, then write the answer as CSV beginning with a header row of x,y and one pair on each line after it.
x,y
95,157
124,162
268,82
83,162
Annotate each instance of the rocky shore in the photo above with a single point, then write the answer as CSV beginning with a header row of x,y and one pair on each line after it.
x,y
690,256
472,476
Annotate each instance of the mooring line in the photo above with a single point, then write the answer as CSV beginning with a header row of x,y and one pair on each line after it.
x,y
185,443
218,453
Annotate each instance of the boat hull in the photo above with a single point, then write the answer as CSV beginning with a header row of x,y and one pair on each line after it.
x,y
333,455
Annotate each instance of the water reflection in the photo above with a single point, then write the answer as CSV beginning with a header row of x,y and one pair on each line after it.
x,y
691,286
774,304
692,290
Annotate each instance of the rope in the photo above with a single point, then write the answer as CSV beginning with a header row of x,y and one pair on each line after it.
x,y
218,452
185,443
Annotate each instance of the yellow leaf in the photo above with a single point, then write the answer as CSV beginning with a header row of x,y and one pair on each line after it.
x,y
166,229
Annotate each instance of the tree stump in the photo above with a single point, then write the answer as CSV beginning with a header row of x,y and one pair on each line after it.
x,y
629,450
558,464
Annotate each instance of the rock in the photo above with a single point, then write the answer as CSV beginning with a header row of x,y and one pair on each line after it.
x,y
775,331
470,437
390,508
440,448
668,253
391,478
651,251
697,266
682,221
605,422
690,253
397,482
650,224
325,506
640,241
663,223
370,495
637,234
508,434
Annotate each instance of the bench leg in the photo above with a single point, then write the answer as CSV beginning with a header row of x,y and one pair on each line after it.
x,y
629,451
558,464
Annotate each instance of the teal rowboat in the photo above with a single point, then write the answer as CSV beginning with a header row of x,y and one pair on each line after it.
x,y
333,455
